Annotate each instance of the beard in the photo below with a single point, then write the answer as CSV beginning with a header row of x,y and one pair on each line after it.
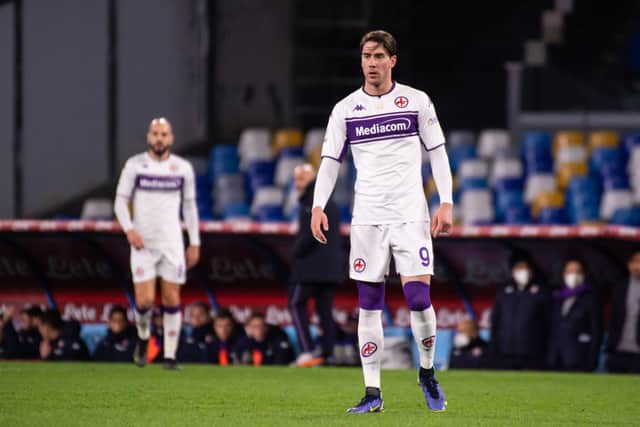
x,y
157,150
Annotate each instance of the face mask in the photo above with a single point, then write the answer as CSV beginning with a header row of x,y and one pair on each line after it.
x,y
521,277
461,340
572,280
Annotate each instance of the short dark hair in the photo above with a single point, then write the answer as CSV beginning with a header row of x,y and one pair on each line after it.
x,y
203,305
257,315
224,314
34,312
384,38
118,309
53,319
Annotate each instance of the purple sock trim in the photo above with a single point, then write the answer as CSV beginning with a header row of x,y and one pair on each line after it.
x,y
371,295
170,309
417,295
142,311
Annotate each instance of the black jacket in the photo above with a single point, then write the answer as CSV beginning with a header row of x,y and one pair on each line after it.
x,y
274,350
618,315
116,347
29,344
313,261
195,345
68,349
574,342
9,346
520,322
470,356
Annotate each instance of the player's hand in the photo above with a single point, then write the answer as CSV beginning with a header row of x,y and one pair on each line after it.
x,y
443,220
45,349
192,255
135,239
319,218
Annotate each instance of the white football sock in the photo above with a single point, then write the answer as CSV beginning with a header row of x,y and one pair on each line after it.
x,y
143,323
370,338
423,326
171,323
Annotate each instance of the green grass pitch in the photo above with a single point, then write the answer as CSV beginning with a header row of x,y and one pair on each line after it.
x,y
74,394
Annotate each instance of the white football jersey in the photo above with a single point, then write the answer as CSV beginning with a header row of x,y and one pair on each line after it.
x,y
156,189
386,134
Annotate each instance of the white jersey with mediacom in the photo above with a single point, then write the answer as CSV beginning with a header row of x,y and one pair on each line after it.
x,y
386,134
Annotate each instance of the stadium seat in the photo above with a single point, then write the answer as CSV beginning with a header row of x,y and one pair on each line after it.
x,y
567,139
236,211
505,200
508,184
604,156
284,170
506,168
314,157
603,139
571,154
286,138
228,189
626,216
538,183
460,137
473,183
552,215
551,199
517,215
223,160
313,139
200,164
254,145
493,143
476,207
473,168
267,196
567,171
536,152
97,209
458,154
629,141
260,174
269,213
634,161
613,200
291,204
614,177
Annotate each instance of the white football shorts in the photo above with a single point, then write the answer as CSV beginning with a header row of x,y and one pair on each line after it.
x,y
372,247
169,264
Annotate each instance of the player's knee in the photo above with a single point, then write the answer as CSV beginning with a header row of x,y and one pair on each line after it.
x,y
417,295
144,302
371,295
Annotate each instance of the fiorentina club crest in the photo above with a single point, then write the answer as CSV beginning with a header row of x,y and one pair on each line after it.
x,y
173,167
368,349
139,271
359,265
428,342
401,101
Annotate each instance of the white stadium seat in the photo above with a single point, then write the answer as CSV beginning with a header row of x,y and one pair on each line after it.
x,y
254,145
97,209
506,168
267,196
539,183
613,200
476,207
473,168
312,139
284,170
493,143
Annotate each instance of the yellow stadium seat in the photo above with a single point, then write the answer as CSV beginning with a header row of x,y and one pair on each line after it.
x,y
430,187
567,138
566,171
551,199
286,138
603,139
315,156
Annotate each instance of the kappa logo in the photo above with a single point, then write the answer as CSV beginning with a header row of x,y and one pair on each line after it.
x,y
401,101
428,342
359,107
368,349
359,265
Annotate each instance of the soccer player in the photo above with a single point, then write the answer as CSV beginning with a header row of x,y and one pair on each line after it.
x,y
386,124
157,181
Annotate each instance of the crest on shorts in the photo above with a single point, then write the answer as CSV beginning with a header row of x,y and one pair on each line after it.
x,y
428,342
368,349
139,271
359,265
401,101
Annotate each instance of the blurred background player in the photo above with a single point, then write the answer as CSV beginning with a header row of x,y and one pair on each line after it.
x,y
60,343
317,269
156,182
228,335
8,335
468,347
386,125
520,319
195,340
119,343
265,344
623,346
576,322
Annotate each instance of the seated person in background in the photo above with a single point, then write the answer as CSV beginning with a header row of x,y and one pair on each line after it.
x,y
623,344
120,341
194,340
227,335
57,346
28,335
468,347
520,320
576,322
155,347
265,344
8,335
346,351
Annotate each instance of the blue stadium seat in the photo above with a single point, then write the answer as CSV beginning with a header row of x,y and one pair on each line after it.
x,y
552,215
259,174
629,141
223,160
269,213
627,216
518,215
536,152
606,158
291,152
505,200
473,184
236,211
584,212
460,153
508,184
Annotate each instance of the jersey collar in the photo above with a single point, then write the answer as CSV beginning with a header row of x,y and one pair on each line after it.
x,y
393,86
